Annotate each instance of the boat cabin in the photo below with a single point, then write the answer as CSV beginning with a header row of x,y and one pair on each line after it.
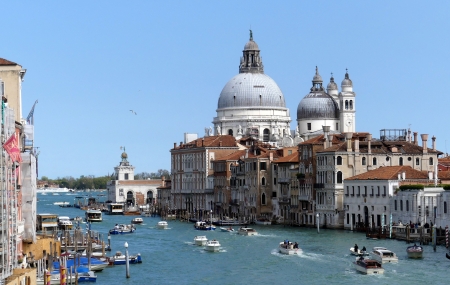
x,y
93,216
115,209
47,222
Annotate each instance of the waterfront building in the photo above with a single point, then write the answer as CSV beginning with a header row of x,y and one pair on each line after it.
x,y
368,196
18,177
192,171
285,193
164,197
355,156
122,188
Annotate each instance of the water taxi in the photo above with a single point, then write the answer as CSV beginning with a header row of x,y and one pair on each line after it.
x,y
368,266
93,215
247,232
200,240
383,255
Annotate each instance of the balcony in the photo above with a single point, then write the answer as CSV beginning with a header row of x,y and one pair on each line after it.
x,y
234,202
284,200
284,180
319,185
303,197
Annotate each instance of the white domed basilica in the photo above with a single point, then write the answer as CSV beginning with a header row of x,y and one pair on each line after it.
x,y
252,104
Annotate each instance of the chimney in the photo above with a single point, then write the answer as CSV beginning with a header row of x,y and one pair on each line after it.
x,y
424,142
246,153
430,175
415,138
434,142
356,144
409,135
399,176
348,137
369,146
326,130
203,142
270,156
330,140
174,145
220,143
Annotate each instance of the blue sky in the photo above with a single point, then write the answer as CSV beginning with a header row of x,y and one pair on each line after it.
x,y
89,62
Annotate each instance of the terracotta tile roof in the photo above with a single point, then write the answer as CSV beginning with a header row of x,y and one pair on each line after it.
x,y
382,147
391,173
233,156
211,141
444,175
293,158
445,161
6,62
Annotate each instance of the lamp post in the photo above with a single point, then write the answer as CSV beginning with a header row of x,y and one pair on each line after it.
x,y
210,220
109,242
127,262
317,216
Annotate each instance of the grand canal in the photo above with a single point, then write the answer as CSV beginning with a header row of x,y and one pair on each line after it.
x,y
169,256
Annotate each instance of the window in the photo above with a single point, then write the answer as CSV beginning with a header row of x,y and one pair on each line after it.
x,y
266,134
126,176
347,190
431,161
263,181
374,161
309,126
359,191
230,132
337,126
384,192
274,181
395,205
353,190
365,191
400,161
263,198
407,205
363,161
262,166
417,161
351,104
339,177
445,207
339,160
401,205
346,104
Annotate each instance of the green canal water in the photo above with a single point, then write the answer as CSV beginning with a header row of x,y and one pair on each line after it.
x,y
170,257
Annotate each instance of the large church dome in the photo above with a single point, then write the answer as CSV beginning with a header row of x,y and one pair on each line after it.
x,y
317,104
251,90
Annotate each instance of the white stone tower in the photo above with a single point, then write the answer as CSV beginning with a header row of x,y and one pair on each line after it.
x,y
347,105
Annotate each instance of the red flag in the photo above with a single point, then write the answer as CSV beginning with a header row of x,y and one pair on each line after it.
x,y
12,148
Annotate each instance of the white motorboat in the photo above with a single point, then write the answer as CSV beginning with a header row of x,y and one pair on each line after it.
x,y
414,251
122,229
289,248
200,240
137,221
359,252
247,231
64,223
212,245
368,266
383,255
162,225
52,190
203,226
230,229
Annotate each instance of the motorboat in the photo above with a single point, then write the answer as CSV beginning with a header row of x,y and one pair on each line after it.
x,y
122,229
200,240
64,223
120,259
289,248
414,251
137,221
212,245
229,222
247,231
383,255
88,276
368,266
230,229
162,225
359,252
93,215
203,226
263,221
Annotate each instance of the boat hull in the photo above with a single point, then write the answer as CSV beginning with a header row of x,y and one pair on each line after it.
x,y
368,271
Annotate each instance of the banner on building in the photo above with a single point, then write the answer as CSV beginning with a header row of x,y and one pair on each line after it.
x,y
12,148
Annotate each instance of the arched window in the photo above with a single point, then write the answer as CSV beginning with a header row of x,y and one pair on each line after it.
x,y
339,160
400,161
431,161
263,198
363,161
346,104
263,181
266,134
407,205
445,207
230,132
374,161
351,104
339,177
401,205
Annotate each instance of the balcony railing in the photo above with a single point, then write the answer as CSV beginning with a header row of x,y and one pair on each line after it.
x,y
319,185
304,198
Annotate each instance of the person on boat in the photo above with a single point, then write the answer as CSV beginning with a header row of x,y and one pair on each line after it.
x,y
364,249
295,245
355,248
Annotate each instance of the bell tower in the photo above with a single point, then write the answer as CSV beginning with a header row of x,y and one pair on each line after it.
x,y
347,105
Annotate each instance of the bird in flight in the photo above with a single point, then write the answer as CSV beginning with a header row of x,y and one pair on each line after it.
x,y
133,112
